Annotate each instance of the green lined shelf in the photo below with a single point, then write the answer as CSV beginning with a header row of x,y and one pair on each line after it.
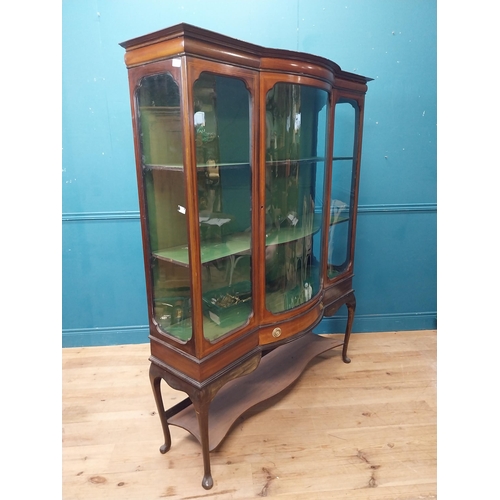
x,y
338,221
236,244
312,159
153,166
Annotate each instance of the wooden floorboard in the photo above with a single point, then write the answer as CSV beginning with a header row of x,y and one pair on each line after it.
x,y
361,431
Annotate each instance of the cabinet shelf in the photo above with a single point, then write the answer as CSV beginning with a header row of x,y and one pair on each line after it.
x,y
232,245
276,371
211,330
236,244
162,110
312,159
285,235
338,221
152,166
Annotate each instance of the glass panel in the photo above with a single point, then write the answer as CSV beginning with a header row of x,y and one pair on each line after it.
x,y
344,147
296,118
161,147
222,126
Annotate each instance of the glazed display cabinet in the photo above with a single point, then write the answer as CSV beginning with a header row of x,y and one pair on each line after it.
x,y
248,164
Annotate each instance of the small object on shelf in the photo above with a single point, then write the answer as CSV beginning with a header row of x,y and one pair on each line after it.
x,y
292,217
174,310
307,291
165,321
225,305
339,211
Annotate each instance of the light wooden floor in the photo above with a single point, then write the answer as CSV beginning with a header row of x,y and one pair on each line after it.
x,y
364,430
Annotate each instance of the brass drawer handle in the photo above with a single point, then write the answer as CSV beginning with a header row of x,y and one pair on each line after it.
x,y
276,333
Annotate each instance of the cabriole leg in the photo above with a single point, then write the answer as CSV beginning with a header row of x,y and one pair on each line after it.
x,y
200,398
155,379
202,407
351,308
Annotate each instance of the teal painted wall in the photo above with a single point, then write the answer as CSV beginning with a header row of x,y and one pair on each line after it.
x,y
394,42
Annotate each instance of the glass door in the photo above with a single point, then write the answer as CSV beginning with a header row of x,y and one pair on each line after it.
x,y
159,117
224,180
296,125
342,187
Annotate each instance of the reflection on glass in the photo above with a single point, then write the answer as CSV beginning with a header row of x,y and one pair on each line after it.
x,y
295,164
222,131
161,147
344,147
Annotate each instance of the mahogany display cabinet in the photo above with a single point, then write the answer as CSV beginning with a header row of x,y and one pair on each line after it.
x,y
248,162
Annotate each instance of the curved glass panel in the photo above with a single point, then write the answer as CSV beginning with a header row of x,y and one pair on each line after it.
x,y
342,194
158,107
222,128
296,124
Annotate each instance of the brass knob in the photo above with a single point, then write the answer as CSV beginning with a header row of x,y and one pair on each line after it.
x,y
276,333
